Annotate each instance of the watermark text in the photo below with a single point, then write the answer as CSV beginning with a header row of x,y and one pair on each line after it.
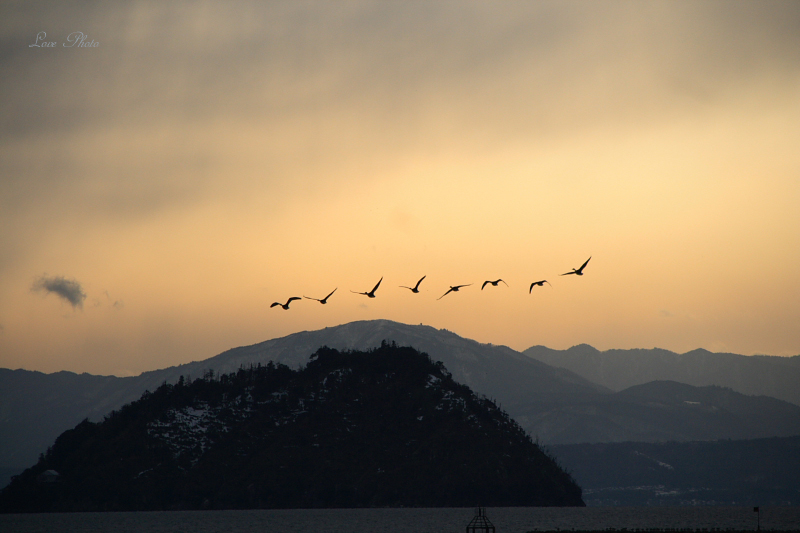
x,y
76,39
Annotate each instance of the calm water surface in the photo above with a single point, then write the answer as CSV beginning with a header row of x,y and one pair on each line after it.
x,y
505,519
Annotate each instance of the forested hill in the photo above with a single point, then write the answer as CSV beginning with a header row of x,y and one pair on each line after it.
x,y
386,427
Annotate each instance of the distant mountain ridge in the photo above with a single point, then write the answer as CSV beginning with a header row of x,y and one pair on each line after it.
x,y
619,369
661,411
35,407
557,405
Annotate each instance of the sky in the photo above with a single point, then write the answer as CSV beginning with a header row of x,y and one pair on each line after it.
x,y
194,162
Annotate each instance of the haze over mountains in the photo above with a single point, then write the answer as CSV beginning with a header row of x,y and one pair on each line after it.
x,y
557,405
660,411
619,369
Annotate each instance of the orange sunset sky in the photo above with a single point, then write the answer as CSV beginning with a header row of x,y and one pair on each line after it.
x,y
161,188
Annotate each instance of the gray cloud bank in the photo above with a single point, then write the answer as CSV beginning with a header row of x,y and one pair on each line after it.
x,y
270,61
69,290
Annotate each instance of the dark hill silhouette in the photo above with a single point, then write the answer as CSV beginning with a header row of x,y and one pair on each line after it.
x,y
619,369
352,429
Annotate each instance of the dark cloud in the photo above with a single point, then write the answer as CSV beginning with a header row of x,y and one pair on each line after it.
x,y
69,290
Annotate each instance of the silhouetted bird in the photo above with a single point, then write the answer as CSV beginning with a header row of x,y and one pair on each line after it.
x,y
324,300
494,283
371,293
415,289
578,271
538,284
286,305
453,289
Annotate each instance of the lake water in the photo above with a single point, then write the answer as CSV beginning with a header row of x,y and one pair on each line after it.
x,y
455,520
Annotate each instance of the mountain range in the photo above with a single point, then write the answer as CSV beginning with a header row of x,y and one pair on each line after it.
x,y
559,397
35,407
619,369
660,411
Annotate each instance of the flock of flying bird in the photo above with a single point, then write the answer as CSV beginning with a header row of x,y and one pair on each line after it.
x,y
415,288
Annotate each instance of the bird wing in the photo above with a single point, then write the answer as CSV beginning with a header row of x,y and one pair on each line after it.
x,y
328,296
445,294
504,283
376,286
273,305
531,289
568,273
293,298
484,284
310,298
584,265
420,281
